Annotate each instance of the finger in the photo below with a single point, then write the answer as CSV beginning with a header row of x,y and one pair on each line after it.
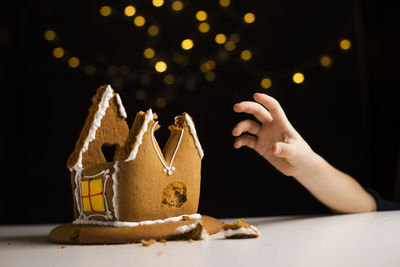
x,y
255,109
271,104
245,140
282,150
246,126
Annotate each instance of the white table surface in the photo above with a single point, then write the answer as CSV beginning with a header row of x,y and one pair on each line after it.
x,y
369,239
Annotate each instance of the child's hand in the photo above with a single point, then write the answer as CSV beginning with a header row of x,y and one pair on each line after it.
x,y
275,138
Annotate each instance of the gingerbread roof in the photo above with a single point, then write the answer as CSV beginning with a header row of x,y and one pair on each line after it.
x,y
140,127
106,101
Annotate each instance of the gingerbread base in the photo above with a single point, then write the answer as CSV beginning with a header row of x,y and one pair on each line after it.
x,y
93,234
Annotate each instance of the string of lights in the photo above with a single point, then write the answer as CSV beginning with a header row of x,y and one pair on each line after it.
x,y
162,62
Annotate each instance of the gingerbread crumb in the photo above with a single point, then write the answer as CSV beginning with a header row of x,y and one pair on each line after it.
x,y
147,243
191,240
9,243
238,224
27,246
159,253
163,241
185,218
62,246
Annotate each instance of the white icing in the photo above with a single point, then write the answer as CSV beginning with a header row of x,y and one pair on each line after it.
x,y
100,173
78,174
78,193
104,103
148,117
242,231
135,224
187,228
168,169
122,111
115,178
194,134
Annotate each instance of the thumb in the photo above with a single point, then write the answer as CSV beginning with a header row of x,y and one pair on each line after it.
x,y
282,150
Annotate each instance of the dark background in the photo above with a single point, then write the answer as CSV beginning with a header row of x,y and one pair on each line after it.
x,y
348,112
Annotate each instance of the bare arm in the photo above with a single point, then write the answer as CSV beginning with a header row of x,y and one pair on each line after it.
x,y
278,142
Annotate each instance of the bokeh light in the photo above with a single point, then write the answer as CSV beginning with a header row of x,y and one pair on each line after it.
x,y
73,62
246,55
345,44
105,11
49,35
325,61
201,15
58,52
224,3
204,27
139,21
249,17
153,30
187,44
149,53
210,76
298,77
266,83
158,3
220,38
169,79
177,5
130,11
160,66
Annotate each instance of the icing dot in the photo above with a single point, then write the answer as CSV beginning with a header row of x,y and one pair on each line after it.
x,y
169,172
165,170
173,168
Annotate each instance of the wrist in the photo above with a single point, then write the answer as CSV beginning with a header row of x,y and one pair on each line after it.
x,y
310,167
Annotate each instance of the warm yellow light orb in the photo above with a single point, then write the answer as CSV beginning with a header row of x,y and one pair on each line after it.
x,y
298,77
149,53
58,52
224,3
187,44
266,83
160,102
325,61
230,46
249,17
160,66
73,62
220,38
130,11
210,76
169,79
345,44
153,30
201,15
105,11
158,3
177,5
246,55
207,66
204,27
139,21
49,35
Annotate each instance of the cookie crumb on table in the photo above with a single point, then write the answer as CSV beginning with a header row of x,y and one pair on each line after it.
x,y
147,243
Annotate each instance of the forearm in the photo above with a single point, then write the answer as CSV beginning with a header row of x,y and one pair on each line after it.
x,y
337,190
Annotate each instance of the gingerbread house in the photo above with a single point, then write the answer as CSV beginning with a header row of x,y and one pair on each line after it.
x,y
143,182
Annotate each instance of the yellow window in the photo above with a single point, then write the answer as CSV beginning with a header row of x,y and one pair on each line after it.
x,y
92,195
